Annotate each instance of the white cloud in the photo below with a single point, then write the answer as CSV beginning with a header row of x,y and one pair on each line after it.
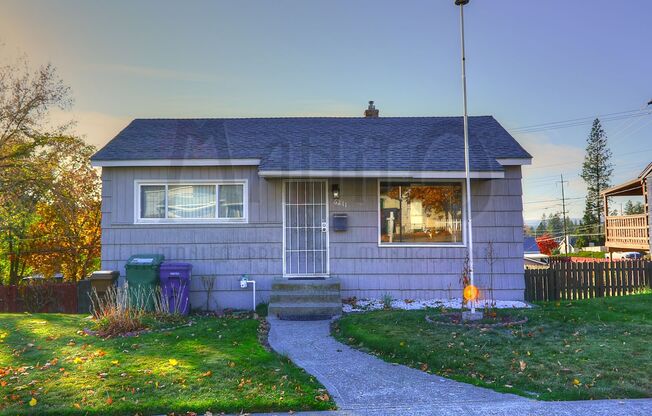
x,y
540,179
550,157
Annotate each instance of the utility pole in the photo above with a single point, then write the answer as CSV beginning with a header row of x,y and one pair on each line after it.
x,y
563,213
467,168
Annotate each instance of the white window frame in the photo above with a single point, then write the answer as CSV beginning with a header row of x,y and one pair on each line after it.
x,y
461,244
167,182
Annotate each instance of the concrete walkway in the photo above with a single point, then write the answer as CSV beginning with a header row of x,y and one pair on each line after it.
x,y
362,384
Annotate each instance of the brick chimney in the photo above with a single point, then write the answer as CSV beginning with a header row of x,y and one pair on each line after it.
x,y
371,111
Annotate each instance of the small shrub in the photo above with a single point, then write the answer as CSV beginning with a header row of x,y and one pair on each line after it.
x,y
162,305
208,282
122,310
465,279
261,309
36,296
387,301
116,313
353,301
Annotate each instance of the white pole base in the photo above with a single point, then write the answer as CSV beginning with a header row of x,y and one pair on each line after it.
x,y
471,316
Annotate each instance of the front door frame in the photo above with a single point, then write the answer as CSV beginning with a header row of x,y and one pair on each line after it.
x,y
326,220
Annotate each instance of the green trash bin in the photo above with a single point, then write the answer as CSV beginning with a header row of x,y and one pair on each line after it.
x,y
143,279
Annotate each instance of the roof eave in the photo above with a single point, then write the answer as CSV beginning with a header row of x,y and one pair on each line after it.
x,y
174,162
404,174
625,188
514,161
646,172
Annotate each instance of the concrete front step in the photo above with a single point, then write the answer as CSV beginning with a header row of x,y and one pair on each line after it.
x,y
296,296
305,299
307,311
306,285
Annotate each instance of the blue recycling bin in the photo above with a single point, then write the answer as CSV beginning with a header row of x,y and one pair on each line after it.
x,y
175,286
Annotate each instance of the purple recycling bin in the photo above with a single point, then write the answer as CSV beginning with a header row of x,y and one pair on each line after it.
x,y
175,286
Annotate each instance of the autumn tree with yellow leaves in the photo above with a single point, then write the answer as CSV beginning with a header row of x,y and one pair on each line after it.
x,y
49,193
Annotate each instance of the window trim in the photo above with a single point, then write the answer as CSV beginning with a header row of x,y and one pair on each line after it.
x,y
138,183
461,244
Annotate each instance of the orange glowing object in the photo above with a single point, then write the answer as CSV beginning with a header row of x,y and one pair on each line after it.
x,y
471,292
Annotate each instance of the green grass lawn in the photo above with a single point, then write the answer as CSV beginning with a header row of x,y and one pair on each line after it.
x,y
590,349
217,365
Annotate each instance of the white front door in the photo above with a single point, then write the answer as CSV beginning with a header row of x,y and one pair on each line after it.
x,y
305,228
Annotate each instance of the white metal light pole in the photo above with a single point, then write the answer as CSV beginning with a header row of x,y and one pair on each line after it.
x,y
467,169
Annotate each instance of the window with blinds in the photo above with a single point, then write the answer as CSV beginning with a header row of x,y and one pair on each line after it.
x,y
188,202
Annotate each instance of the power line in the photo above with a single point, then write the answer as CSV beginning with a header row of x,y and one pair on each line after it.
x,y
551,200
577,119
630,123
575,163
581,121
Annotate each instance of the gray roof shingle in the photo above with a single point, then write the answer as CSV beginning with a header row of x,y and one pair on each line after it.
x,y
349,144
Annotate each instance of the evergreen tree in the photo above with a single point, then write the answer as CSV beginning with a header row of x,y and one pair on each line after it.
x,y
571,225
555,224
543,226
596,172
629,207
633,208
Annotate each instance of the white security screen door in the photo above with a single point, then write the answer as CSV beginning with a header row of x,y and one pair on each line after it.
x,y
305,226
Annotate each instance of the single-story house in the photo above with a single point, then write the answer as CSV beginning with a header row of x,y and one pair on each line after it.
x,y
531,254
374,203
530,245
571,242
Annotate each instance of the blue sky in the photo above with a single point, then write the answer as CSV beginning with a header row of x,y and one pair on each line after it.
x,y
528,63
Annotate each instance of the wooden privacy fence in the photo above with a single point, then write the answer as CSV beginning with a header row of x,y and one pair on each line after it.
x,y
567,280
39,297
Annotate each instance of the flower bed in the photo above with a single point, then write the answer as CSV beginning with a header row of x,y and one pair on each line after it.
x,y
361,305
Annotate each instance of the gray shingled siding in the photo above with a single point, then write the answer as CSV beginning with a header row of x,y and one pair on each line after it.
x,y
368,270
649,209
255,249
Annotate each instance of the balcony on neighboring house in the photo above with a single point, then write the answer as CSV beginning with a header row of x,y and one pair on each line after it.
x,y
629,232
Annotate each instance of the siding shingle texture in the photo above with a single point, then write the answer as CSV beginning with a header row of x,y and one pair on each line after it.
x,y
256,249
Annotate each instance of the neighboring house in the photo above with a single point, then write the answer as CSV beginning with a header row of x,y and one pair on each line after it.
x,y
536,260
531,254
571,242
630,232
595,249
530,245
375,202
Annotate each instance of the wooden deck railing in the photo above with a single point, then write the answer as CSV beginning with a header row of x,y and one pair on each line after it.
x,y
628,231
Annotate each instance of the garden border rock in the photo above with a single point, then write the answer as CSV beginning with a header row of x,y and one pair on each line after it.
x,y
471,325
140,332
